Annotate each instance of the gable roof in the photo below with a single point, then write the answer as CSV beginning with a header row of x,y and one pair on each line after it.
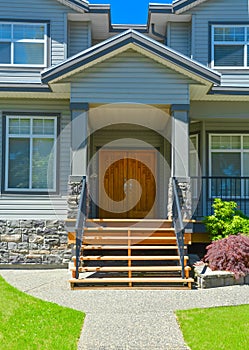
x,y
183,5
139,42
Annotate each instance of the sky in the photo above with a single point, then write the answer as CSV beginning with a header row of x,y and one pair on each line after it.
x,y
129,11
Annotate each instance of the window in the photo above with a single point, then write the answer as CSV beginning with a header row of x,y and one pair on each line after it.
x,y
30,153
229,158
230,46
23,44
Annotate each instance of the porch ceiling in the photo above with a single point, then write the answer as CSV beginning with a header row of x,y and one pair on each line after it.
x,y
156,118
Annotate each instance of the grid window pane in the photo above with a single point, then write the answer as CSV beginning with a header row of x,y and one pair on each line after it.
x,y
43,127
229,34
14,126
226,142
42,163
48,126
28,31
28,53
5,53
18,161
38,126
24,126
19,126
5,31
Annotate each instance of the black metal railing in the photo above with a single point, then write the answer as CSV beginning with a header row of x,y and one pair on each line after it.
x,y
205,189
178,223
80,223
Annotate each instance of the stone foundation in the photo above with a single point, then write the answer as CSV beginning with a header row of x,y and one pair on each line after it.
x,y
206,278
42,242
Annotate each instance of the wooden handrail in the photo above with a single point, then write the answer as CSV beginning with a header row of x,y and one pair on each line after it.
x,y
178,225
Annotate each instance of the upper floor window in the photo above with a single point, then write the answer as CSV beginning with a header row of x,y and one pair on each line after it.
x,y
230,46
23,44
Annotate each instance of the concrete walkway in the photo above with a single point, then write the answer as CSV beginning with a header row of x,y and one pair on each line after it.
x,y
124,319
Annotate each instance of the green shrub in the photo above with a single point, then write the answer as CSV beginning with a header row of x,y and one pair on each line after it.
x,y
226,220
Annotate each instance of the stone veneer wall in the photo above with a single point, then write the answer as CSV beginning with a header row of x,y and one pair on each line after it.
x,y
33,242
184,193
74,191
40,242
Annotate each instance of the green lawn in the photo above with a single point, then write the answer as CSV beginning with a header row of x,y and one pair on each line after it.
x,y
220,328
27,323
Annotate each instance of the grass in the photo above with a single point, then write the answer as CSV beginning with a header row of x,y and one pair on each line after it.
x,y
27,323
216,328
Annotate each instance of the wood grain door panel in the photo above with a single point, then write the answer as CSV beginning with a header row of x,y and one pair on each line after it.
x,y
127,185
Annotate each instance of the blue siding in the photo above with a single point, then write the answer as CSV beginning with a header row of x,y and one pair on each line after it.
x,y
179,37
78,37
130,77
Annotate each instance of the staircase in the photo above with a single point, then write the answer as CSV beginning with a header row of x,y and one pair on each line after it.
x,y
129,253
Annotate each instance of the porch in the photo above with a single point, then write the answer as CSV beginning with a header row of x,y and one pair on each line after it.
x,y
141,252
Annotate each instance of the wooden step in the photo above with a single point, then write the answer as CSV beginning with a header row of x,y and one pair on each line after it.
x,y
129,238
143,237
133,247
129,268
122,257
109,240
132,280
124,222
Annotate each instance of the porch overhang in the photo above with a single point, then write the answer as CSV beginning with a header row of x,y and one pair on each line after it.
x,y
77,5
131,39
180,6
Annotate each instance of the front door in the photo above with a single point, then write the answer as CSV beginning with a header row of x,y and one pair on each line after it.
x,y
127,183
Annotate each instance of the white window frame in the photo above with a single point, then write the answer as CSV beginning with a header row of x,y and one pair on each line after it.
x,y
244,43
194,152
12,42
240,151
30,136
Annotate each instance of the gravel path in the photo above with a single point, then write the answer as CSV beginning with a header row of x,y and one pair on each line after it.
x,y
124,319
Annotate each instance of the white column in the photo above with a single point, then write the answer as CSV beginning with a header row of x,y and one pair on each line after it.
x,y
180,141
79,138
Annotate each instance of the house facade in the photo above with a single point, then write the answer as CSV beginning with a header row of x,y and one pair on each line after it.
x,y
128,106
